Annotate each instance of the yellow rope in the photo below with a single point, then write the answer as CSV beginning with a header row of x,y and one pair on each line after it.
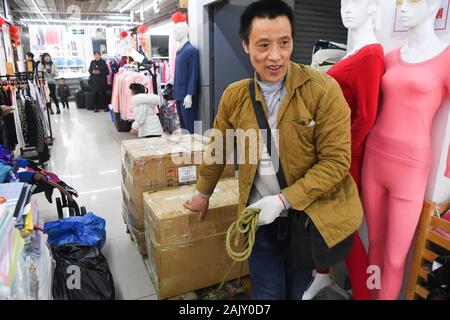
x,y
246,225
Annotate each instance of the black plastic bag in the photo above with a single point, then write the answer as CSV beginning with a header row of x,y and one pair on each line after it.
x,y
81,273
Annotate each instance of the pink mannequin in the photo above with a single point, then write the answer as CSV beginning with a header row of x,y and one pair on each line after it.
x,y
398,150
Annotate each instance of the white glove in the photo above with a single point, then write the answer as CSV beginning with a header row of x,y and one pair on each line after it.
x,y
271,207
187,102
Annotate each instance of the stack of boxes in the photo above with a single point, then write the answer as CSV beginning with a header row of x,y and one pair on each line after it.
x,y
155,164
183,253
158,176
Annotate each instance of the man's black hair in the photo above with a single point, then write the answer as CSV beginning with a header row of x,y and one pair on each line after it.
x,y
264,9
30,54
97,52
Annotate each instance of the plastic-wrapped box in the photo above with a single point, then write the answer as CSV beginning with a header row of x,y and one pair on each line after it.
x,y
159,163
185,254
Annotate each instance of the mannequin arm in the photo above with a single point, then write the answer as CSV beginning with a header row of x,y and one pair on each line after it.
x,y
367,91
194,70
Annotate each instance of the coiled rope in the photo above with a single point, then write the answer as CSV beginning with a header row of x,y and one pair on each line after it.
x,y
246,225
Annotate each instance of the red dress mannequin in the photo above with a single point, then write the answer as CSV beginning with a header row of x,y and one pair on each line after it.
x,y
359,76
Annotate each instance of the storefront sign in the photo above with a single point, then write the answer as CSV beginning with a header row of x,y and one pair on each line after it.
x,y
183,4
78,31
441,24
9,68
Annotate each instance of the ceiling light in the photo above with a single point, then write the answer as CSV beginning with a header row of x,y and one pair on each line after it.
x,y
81,21
39,10
149,6
129,5
119,17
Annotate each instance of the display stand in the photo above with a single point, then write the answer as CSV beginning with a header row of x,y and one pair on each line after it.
x,y
428,246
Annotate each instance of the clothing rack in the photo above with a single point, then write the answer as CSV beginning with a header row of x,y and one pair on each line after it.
x,y
19,79
152,69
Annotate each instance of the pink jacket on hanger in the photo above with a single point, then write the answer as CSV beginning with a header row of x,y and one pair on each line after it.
x,y
121,97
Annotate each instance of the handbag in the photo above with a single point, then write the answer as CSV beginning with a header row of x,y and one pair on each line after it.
x,y
308,248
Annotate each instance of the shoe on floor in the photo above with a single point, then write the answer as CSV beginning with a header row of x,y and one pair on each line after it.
x,y
106,110
95,110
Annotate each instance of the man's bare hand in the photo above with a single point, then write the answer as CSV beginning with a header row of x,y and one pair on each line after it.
x,y
199,205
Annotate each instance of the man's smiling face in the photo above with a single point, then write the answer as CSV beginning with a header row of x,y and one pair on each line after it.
x,y
270,47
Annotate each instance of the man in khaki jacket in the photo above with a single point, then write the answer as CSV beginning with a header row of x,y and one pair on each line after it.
x,y
310,121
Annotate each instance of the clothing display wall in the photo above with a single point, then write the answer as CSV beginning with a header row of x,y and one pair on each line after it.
x,y
121,95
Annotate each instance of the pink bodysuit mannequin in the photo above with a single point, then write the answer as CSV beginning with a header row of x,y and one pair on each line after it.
x,y
398,150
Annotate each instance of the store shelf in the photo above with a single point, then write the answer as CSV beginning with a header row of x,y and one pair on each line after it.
x,y
428,246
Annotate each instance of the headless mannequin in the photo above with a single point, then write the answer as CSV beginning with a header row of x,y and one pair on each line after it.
x,y
359,17
180,35
393,210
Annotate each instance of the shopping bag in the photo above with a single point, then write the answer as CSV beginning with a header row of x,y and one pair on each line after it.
x,y
88,230
81,273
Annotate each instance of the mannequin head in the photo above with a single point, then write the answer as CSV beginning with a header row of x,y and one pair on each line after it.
x,y
180,31
356,13
416,12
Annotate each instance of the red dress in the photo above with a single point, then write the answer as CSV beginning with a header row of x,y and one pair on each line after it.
x,y
359,76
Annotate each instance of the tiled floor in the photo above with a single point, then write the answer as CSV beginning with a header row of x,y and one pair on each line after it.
x,y
86,155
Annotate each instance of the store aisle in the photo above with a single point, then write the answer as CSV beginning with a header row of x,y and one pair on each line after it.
x,y
86,155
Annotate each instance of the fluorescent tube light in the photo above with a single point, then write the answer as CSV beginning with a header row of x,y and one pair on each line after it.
x,y
81,21
129,5
39,10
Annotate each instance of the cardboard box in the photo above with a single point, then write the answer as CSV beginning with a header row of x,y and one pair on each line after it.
x,y
160,163
136,235
184,254
170,223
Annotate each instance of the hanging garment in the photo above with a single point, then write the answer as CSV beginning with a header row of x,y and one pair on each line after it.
x,y
121,95
17,122
8,127
22,119
110,76
35,128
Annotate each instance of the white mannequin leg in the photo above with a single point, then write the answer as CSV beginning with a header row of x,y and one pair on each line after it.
x,y
320,281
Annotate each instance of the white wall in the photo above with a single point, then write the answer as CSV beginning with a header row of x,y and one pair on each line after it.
x,y
111,42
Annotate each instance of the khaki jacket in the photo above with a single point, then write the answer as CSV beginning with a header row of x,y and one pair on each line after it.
x,y
314,148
